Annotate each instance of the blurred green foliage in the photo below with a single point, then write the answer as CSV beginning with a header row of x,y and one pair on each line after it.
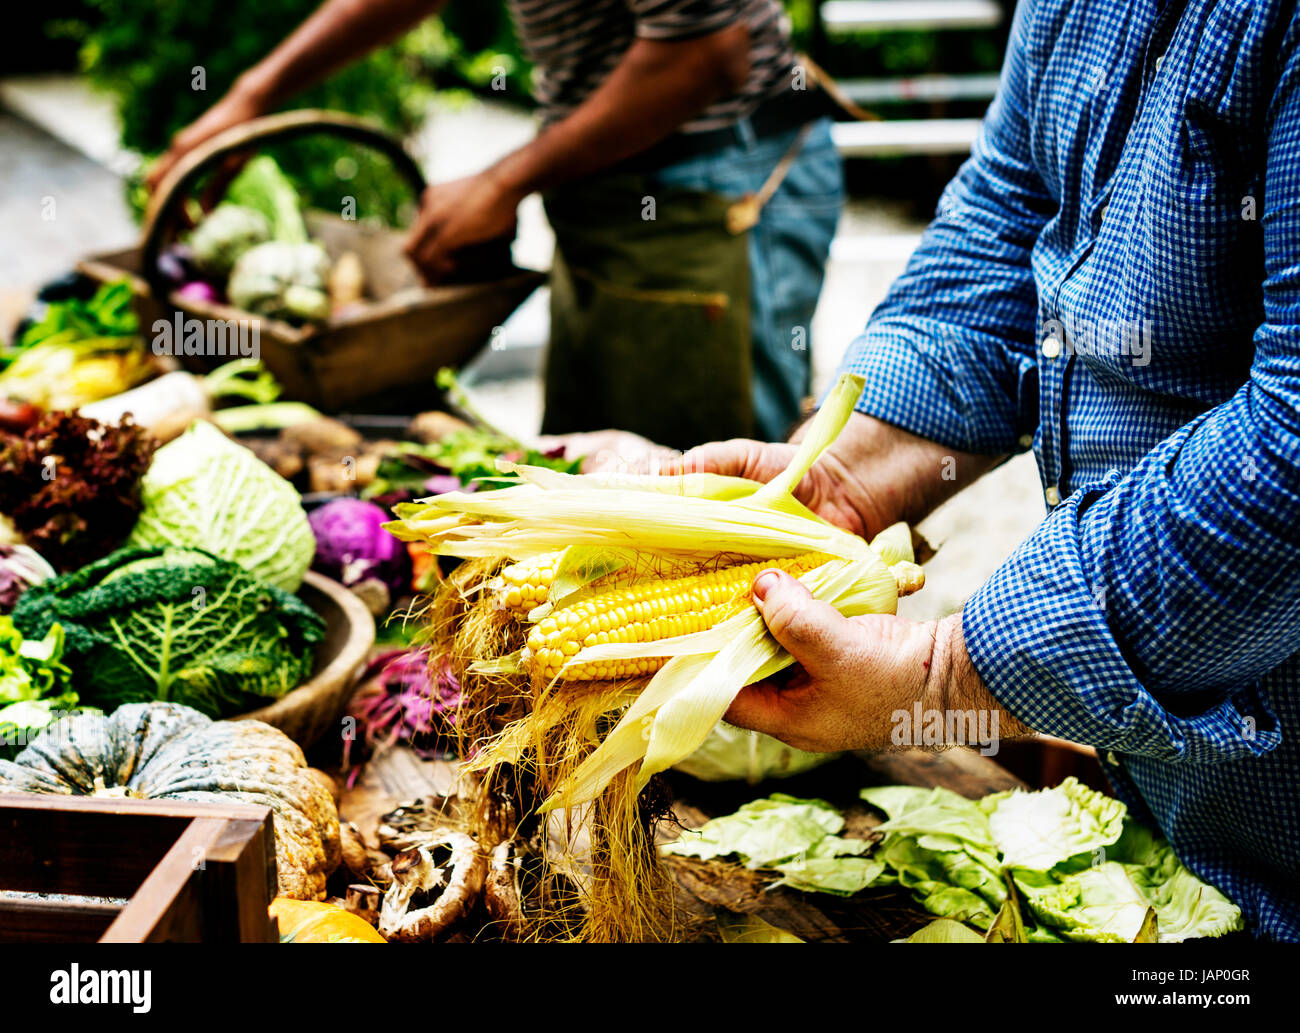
x,y
148,56
166,63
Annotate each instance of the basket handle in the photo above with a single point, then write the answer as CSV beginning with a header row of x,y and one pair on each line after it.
x,y
283,125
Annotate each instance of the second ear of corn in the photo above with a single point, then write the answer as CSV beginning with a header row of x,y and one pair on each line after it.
x,y
524,585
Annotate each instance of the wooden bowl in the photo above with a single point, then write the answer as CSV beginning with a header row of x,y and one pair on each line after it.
x,y
306,713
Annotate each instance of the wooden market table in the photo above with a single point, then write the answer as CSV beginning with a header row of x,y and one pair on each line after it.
x,y
399,776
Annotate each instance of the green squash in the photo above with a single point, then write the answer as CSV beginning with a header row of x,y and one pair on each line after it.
x,y
165,751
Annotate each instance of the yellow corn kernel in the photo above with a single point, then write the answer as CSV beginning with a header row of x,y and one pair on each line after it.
x,y
525,585
671,607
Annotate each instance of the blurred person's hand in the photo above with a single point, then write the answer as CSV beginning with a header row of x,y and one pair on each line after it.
x,y
235,108
612,451
456,215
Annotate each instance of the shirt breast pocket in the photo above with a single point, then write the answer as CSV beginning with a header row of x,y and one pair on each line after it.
x,y
1202,175
1217,107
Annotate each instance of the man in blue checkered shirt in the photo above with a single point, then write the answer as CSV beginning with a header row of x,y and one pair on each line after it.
x,y
1112,279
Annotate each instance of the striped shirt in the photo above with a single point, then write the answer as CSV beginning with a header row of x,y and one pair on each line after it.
x,y
575,44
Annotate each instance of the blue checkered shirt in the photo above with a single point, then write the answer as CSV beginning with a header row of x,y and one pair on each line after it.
x,y
1113,279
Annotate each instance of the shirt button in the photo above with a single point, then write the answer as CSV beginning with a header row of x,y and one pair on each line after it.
x,y
1026,440
1052,495
1159,61
1111,758
1102,214
1051,347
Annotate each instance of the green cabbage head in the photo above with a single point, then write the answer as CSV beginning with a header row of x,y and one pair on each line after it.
x,y
204,491
283,281
225,234
178,625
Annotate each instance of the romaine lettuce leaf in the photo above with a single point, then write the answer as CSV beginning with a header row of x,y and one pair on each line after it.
x,y
763,832
842,876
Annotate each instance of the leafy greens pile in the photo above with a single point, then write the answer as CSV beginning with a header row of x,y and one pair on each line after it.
x,y
798,838
1085,870
107,313
1081,867
71,485
80,350
35,685
178,625
261,186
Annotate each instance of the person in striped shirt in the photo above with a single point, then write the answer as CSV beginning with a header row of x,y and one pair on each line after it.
x,y
687,95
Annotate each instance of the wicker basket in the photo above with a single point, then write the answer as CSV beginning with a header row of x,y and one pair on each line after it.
x,y
306,713
384,357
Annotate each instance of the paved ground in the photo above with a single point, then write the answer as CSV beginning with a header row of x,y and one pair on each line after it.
x,y
976,530
56,206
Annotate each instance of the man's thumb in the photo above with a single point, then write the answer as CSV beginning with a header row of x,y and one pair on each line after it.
x,y
810,630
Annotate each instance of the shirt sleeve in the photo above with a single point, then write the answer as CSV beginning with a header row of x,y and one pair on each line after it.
x,y
949,353
683,19
1144,612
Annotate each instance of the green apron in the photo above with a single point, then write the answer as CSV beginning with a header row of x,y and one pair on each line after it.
x,y
649,316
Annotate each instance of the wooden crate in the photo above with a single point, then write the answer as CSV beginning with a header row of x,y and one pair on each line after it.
x,y
190,872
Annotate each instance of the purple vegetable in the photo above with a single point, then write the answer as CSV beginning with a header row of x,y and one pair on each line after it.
x,y
352,546
197,290
20,568
176,263
440,483
404,698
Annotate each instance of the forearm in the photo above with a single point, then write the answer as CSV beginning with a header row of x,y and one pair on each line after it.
x,y
337,33
953,685
656,88
903,476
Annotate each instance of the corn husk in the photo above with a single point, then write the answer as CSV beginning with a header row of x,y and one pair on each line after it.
x,y
589,750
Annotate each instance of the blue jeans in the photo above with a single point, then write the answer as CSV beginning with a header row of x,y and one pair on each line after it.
x,y
787,254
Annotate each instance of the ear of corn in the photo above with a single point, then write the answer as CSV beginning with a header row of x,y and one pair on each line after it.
x,y
698,640
644,612
688,696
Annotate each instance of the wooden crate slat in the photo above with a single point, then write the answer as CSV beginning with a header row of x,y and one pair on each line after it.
x,y
97,853
191,871
32,920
